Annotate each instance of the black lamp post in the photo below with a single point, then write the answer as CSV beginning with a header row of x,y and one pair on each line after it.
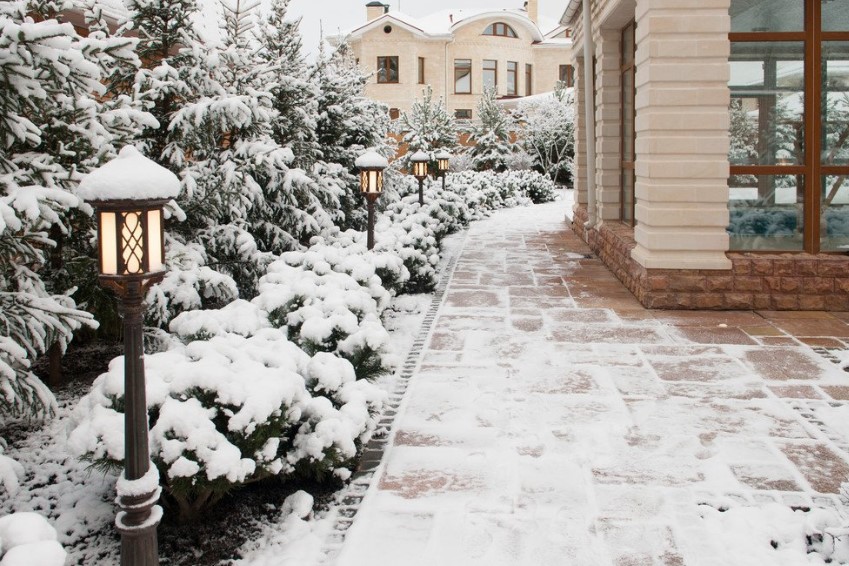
x,y
420,160
443,163
371,165
128,194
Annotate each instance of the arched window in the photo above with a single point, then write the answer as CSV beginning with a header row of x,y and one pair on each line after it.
x,y
500,29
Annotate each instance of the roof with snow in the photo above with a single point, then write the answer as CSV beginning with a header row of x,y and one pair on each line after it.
x,y
444,23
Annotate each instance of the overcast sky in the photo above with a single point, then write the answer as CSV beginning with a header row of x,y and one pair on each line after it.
x,y
342,15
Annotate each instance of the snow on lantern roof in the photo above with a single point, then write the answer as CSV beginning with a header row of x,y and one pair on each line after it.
x,y
420,156
130,176
442,154
371,160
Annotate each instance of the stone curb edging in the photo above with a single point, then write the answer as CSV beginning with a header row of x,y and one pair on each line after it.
x,y
374,450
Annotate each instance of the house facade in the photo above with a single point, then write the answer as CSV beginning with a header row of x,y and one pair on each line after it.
x,y
458,53
712,149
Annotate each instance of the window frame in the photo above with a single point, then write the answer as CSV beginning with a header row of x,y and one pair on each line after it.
x,y
512,78
567,77
811,170
529,79
384,64
500,29
458,68
627,68
421,70
494,70
459,110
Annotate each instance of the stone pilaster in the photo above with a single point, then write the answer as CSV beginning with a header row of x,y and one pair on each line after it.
x,y
682,134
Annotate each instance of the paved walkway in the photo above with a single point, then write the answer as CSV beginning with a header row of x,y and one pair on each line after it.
x,y
554,421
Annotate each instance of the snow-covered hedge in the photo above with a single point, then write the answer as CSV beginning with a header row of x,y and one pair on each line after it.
x,y
486,191
27,539
234,409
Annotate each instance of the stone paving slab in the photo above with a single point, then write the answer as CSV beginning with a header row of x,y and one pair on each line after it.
x,y
553,420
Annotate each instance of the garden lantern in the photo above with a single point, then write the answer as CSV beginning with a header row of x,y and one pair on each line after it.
x,y
128,194
371,165
420,160
443,162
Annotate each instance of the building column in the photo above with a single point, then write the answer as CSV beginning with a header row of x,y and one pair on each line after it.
x,y
682,134
608,124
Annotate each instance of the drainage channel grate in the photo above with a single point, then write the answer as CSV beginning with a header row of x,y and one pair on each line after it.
x,y
374,450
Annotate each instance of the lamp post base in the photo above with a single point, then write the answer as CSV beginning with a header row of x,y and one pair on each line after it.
x,y
137,522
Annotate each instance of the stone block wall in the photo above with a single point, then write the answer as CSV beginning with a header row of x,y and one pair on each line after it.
x,y
761,281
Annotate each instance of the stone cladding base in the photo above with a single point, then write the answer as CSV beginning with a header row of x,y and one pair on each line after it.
x,y
759,281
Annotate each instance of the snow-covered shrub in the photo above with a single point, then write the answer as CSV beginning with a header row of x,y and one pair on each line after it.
x,y
27,539
536,186
232,410
411,238
548,132
188,284
327,311
447,209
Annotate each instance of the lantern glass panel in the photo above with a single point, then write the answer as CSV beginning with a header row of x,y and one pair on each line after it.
x,y
420,169
108,244
132,243
154,240
443,165
364,181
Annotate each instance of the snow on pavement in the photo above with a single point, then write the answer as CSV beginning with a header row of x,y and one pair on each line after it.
x,y
553,420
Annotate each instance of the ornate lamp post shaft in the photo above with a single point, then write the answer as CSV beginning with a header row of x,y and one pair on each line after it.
x,y
129,194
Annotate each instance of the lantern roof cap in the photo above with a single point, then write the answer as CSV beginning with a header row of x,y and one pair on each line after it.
x,y
371,160
442,154
130,176
420,156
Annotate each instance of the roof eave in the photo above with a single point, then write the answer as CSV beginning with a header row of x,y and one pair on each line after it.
x,y
569,12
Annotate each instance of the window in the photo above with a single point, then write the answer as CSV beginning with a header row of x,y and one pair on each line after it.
x,y
500,29
421,70
394,113
512,78
789,125
387,69
567,75
463,114
529,79
490,74
627,132
462,76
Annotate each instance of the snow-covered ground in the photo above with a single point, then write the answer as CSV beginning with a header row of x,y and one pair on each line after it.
x,y
553,420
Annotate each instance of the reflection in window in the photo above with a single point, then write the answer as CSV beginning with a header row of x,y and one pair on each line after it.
x,y
462,76
387,69
835,15
759,221
835,111
500,29
767,103
767,15
490,73
566,75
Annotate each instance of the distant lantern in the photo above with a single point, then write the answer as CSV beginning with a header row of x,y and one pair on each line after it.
x,y
420,160
443,163
371,165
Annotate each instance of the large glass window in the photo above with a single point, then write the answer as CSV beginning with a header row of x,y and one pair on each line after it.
x,y
512,78
789,125
462,76
387,69
627,130
490,74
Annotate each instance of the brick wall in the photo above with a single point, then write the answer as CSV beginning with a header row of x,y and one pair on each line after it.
x,y
773,281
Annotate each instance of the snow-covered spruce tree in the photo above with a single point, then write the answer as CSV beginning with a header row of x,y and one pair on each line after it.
x,y
490,135
57,121
428,127
348,123
548,133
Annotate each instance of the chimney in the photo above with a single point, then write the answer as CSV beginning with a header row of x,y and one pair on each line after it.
x,y
532,7
375,9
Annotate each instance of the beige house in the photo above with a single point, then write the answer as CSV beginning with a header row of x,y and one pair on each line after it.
x,y
713,149
458,53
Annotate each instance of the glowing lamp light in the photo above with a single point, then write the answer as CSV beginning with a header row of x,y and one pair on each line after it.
x,y
443,161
